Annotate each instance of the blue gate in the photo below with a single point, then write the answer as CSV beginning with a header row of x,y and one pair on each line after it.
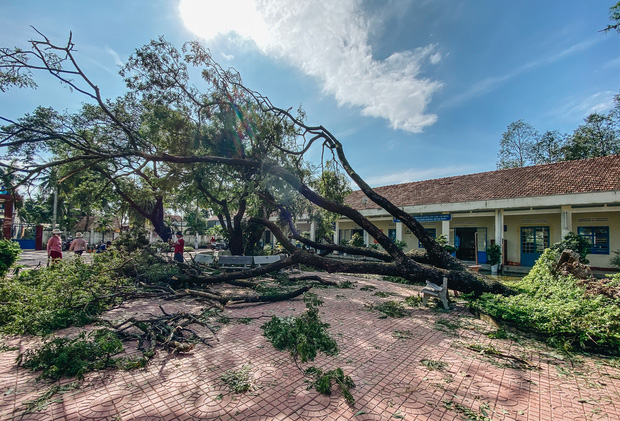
x,y
534,240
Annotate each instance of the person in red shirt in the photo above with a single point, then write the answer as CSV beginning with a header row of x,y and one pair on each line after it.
x,y
54,246
179,245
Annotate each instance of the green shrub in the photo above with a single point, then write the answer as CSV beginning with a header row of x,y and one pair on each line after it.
x,y
60,357
555,306
323,382
443,242
401,244
39,301
9,253
576,243
494,254
357,241
302,336
615,260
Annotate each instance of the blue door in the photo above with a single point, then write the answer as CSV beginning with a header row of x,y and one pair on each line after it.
x,y
534,240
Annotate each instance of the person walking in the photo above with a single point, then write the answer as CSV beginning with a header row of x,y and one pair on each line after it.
x,y
78,245
54,246
179,245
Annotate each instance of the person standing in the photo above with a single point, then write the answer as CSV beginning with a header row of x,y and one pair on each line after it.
x,y
54,246
179,245
78,245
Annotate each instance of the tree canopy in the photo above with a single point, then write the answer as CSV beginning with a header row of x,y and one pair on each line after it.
x,y
224,145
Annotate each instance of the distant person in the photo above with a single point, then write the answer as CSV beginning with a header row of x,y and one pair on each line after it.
x,y
212,242
54,246
179,245
104,246
78,245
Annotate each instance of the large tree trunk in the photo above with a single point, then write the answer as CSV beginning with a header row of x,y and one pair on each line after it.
x,y
235,242
157,219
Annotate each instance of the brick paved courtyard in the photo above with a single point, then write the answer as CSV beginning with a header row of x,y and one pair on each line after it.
x,y
390,360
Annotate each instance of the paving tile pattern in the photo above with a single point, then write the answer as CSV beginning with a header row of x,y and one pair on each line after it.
x,y
383,356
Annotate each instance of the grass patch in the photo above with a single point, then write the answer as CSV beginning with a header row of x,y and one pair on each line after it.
x,y
399,280
413,301
388,309
368,288
468,413
346,285
434,365
238,381
403,334
41,403
447,326
383,294
484,349
217,315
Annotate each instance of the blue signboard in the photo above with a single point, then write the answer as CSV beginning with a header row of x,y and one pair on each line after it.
x,y
429,218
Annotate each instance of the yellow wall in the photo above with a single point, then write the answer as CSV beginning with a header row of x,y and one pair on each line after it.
x,y
412,240
512,235
513,224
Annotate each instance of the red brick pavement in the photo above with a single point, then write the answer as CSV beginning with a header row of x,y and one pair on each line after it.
x,y
383,356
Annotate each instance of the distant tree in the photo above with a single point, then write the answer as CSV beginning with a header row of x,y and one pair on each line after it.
x,y
35,210
599,136
549,147
517,145
614,16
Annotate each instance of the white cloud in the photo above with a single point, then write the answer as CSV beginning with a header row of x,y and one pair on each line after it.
x,y
417,175
435,58
329,40
115,56
579,108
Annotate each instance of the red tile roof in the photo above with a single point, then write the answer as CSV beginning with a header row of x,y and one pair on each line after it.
x,y
583,176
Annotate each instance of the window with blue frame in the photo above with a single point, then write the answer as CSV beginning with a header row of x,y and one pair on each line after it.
x,y
392,234
598,237
432,232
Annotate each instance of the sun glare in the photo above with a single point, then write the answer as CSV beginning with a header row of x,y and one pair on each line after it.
x,y
208,18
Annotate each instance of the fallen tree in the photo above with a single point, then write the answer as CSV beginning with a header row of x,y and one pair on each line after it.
x,y
151,142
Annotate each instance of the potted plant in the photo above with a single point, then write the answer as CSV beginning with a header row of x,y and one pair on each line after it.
x,y
494,257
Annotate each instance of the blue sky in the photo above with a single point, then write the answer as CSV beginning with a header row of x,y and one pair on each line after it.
x,y
414,89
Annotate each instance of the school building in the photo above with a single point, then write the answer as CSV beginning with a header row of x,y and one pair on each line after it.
x,y
522,209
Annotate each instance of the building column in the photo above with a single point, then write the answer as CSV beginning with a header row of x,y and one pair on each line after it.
x,y
366,237
567,220
499,227
7,223
312,231
399,231
336,233
445,230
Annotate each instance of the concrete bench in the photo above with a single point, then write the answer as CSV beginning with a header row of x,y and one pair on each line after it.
x,y
433,290
235,262
266,260
205,259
